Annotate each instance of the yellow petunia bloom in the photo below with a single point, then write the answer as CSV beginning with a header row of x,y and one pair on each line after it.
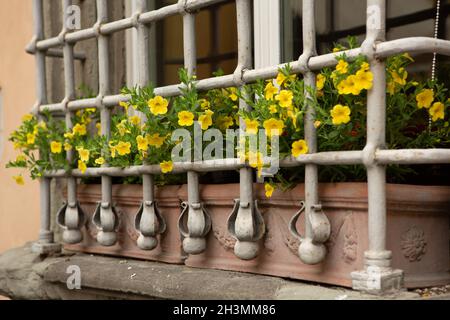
x,y
56,147
425,98
320,81
124,105
224,122
285,98
135,120
273,127
399,76
282,79
158,105
342,67
27,117
83,153
155,140
270,90
299,147
273,108
67,146
205,120
68,135
122,128
233,94
142,143
166,166
365,66
391,87
340,114
185,118
256,161
31,138
205,104
82,166
79,129
251,126
123,148
437,111
98,125
19,180
349,86
364,80
317,124
100,161
269,190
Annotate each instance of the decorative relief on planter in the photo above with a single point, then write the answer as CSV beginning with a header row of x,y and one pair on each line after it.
x,y
291,242
224,238
350,249
414,244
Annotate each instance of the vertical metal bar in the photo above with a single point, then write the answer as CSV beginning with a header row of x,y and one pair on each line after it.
x,y
45,243
148,220
317,227
72,217
198,221
378,276
105,216
245,222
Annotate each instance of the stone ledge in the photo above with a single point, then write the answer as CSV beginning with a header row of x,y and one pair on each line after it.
x,y
26,275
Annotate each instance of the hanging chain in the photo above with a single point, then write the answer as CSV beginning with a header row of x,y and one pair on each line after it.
x,y
433,64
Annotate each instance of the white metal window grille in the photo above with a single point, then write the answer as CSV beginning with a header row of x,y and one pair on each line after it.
x,y
245,223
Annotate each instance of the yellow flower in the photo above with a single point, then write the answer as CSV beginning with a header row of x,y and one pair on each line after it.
x,y
100,161
391,87
224,122
68,135
282,79
233,94
98,125
155,140
320,81
31,138
205,120
82,166
83,153
122,128
256,161
336,50
269,190
21,158
142,143
349,86
91,110
27,117
400,76
158,105
342,66
437,111
135,120
205,104
317,124
285,98
123,148
273,108
124,105
18,145
299,147
67,146
365,66
270,91
113,150
19,180
185,118
79,129
56,147
364,79
251,126
273,127
425,98
340,114
166,166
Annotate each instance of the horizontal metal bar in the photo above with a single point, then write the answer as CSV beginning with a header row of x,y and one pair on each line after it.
x,y
412,156
401,156
383,50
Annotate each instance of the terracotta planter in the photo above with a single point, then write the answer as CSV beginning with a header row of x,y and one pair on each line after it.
x,y
418,231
